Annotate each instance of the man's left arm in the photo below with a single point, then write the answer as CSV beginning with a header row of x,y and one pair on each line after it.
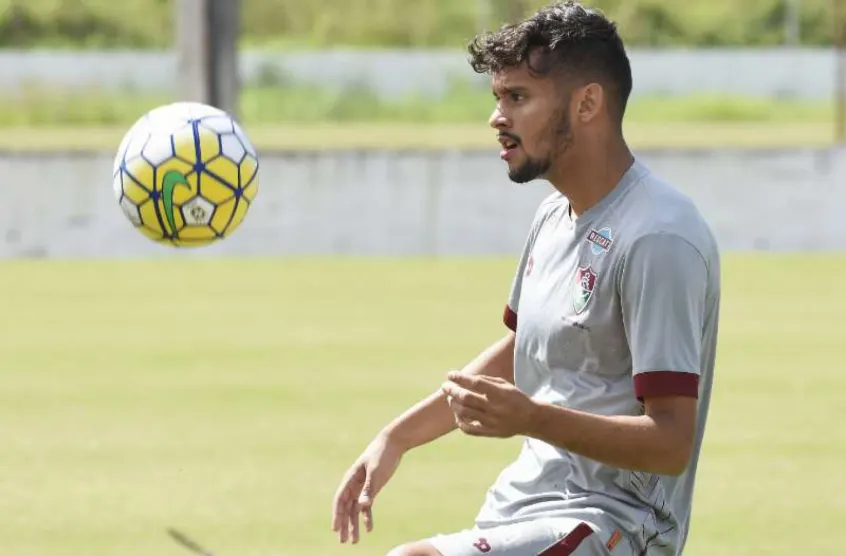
x,y
663,288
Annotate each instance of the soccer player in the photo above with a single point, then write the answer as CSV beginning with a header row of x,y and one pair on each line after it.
x,y
607,364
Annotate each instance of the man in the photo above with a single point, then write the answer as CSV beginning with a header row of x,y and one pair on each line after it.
x,y
607,366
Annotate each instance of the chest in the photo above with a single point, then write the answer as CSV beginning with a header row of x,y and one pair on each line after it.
x,y
570,317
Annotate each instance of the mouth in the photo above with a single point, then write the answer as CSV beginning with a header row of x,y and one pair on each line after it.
x,y
508,146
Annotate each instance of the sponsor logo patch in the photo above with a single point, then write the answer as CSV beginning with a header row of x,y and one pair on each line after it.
x,y
600,240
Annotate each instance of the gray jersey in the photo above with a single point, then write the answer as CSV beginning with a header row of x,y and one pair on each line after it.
x,y
619,304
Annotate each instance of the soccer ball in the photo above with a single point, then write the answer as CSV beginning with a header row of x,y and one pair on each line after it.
x,y
185,174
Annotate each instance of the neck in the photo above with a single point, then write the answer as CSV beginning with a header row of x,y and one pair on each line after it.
x,y
594,174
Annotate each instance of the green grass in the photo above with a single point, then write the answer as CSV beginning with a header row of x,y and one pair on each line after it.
x,y
227,398
44,106
428,136
305,118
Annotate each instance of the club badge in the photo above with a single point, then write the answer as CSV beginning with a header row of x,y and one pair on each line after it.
x,y
583,288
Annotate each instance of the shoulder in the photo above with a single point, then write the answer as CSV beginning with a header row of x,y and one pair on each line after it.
x,y
662,221
546,209
550,204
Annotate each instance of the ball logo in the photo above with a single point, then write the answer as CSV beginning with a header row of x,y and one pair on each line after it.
x,y
172,179
198,213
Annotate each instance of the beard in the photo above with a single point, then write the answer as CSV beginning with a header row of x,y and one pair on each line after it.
x,y
561,139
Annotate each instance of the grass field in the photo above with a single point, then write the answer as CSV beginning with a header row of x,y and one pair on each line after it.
x,y
301,137
227,398
301,117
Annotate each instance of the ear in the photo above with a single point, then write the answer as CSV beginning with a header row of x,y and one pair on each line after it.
x,y
590,100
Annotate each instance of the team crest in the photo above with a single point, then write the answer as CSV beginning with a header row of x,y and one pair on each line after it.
x,y
583,288
600,240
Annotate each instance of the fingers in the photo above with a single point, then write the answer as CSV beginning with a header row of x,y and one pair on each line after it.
x,y
476,428
353,502
364,506
354,523
457,394
470,415
345,514
341,509
368,518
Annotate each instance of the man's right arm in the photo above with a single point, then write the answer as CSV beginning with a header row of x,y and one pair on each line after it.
x,y
432,417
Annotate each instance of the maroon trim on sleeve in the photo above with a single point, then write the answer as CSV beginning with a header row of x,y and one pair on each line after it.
x,y
666,383
509,317
569,544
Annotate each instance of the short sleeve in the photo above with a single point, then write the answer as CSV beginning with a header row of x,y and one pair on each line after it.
x,y
512,307
663,288
509,317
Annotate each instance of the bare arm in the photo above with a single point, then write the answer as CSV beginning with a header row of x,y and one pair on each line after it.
x,y
424,422
432,418
658,442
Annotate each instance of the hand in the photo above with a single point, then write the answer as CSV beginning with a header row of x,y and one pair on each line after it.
x,y
489,406
360,485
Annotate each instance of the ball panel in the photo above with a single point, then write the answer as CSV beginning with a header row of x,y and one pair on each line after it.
x,y
217,124
158,149
223,215
134,191
140,172
136,129
248,146
248,171
184,144
197,212
151,217
223,171
214,190
136,143
237,217
131,211
209,143
249,192
117,185
232,148
197,233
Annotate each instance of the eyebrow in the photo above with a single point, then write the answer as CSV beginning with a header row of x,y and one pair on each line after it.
x,y
512,90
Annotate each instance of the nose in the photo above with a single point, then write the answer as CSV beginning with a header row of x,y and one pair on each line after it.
x,y
498,119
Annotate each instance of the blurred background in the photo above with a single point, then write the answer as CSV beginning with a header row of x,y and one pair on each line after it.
x,y
225,390
363,98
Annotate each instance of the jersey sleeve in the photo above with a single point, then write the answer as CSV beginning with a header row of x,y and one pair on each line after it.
x,y
512,307
663,288
509,317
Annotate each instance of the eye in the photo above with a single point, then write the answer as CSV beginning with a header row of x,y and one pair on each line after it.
x,y
517,97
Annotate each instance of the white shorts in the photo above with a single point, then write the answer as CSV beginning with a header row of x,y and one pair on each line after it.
x,y
560,536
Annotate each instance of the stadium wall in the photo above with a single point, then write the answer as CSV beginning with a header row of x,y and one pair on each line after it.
x,y
416,203
792,72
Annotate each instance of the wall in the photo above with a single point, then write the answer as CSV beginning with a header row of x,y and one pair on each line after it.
x,y
442,203
807,73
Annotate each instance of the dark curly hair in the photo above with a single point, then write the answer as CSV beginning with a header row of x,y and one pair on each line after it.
x,y
563,38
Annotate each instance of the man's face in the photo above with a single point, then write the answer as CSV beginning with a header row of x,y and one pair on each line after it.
x,y
531,116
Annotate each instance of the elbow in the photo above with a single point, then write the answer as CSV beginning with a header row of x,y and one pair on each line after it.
x,y
675,461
